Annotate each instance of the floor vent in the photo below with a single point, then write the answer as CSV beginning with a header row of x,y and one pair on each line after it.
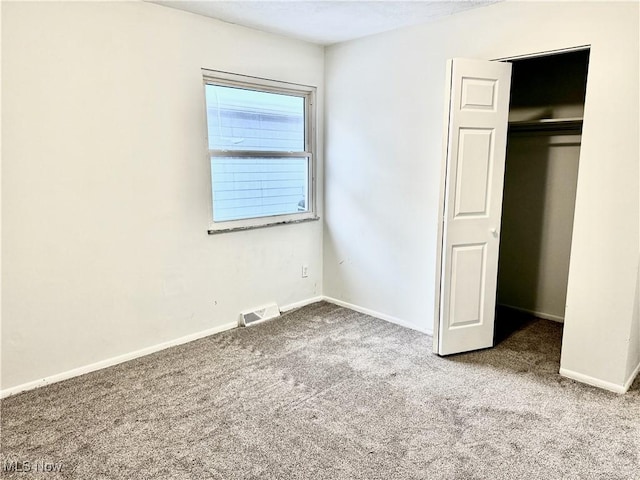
x,y
251,317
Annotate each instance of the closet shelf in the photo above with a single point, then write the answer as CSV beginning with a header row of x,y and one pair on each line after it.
x,y
547,125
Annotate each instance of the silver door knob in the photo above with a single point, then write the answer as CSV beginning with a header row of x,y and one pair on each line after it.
x,y
494,232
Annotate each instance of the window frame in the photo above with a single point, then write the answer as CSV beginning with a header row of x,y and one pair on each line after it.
x,y
308,93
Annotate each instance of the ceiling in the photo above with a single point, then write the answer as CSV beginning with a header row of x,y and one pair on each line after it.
x,y
325,22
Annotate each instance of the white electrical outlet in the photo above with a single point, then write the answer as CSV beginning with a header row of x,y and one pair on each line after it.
x,y
305,271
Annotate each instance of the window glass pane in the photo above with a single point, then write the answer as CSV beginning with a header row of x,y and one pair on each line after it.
x,y
240,119
258,187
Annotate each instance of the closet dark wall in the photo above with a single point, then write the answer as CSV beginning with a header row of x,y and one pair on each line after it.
x,y
549,87
540,184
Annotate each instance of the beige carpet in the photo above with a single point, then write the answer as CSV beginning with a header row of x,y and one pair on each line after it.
x,y
327,393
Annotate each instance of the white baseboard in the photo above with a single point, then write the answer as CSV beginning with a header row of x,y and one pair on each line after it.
x,y
545,316
109,362
373,313
632,377
595,382
302,303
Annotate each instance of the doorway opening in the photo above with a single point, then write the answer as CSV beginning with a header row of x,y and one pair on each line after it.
x,y
541,171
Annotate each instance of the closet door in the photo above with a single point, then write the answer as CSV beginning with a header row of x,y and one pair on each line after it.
x,y
472,205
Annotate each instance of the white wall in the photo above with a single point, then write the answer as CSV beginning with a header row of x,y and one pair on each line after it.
x,y
105,194
384,129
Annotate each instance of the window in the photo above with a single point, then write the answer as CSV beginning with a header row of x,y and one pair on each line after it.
x,y
261,140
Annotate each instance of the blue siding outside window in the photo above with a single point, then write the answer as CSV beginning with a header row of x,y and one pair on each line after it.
x,y
253,121
258,187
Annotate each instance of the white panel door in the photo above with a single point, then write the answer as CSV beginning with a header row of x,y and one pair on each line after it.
x,y
475,157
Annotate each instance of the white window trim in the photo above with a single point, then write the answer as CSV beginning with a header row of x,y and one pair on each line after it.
x,y
214,77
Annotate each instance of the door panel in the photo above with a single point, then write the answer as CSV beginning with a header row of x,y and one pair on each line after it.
x,y
475,158
467,272
475,147
478,94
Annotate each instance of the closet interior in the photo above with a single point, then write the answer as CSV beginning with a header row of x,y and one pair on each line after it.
x,y
543,152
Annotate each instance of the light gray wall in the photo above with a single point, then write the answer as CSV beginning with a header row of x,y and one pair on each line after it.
x,y
105,194
385,96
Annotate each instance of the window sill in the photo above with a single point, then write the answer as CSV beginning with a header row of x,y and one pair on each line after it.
x,y
253,227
